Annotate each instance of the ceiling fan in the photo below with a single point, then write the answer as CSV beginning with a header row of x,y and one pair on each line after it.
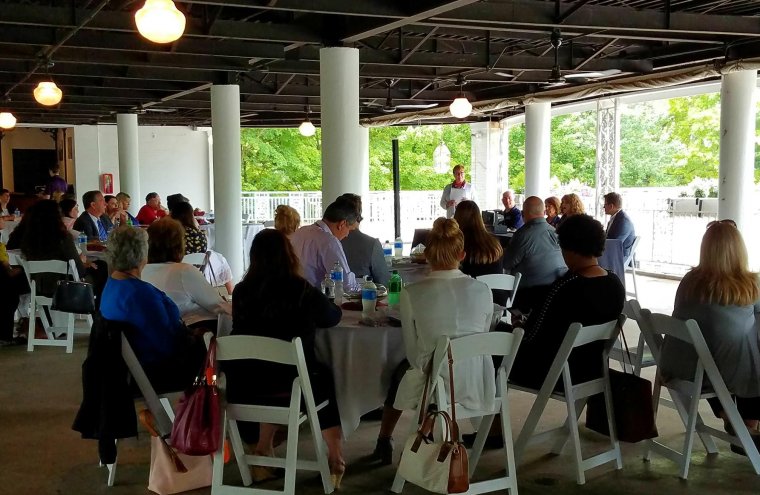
x,y
142,110
389,107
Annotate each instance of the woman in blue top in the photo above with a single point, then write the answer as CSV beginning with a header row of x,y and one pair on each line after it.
x,y
168,352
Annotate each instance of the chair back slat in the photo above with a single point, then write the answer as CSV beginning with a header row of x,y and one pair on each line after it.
x,y
255,347
632,255
498,281
594,333
194,259
488,344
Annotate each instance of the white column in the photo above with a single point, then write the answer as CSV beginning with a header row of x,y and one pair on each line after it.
x,y
487,163
225,130
129,162
538,119
345,144
737,147
607,152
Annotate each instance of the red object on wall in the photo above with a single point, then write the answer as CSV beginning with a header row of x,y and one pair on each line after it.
x,y
106,183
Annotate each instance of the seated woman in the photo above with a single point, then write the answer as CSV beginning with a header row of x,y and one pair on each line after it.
x,y
199,304
70,211
570,205
722,295
274,300
286,219
586,294
482,251
167,351
195,238
447,302
552,205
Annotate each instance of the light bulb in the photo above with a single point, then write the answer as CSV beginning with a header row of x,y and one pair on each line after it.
x,y
160,21
460,107
7,120
47,93
307,128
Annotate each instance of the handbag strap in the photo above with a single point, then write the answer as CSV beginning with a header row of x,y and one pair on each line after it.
x,y
423,404
454,426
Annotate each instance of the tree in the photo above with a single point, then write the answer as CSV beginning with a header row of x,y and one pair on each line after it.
x,y
647,149
694,124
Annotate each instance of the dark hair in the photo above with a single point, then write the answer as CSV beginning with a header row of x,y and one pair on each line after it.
x,y
582,234
66,206
480,246
173,200
150,196
166,241
44,229
3,191
109,197
17,236
183,213
613,199
89,197
55,168
354,201
341,210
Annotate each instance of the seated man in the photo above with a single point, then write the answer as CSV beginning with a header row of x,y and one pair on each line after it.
x,y
89,221
6,208
534,252
620,225
363,252
318,245
513,218
151,210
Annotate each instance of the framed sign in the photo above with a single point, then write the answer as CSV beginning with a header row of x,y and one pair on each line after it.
x,y
106,183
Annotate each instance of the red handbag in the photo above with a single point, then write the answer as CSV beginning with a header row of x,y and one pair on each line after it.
x,y
197,424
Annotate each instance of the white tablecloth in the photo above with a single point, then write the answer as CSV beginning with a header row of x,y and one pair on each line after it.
x,y
411,272
362,360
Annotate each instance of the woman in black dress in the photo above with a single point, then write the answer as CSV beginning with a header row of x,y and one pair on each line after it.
x,y
274,300
195,239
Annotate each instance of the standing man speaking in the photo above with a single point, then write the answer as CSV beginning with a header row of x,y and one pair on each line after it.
x,y
456,192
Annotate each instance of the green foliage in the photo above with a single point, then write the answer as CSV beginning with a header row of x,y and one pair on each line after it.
x,y
694,124
647,151
280,160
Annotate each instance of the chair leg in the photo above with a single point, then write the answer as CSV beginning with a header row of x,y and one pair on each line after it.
x,y
239,450
291,456
398,481
30,332
70,333
639,355
480,440
688,443
523,438
320,449
572,423
506,431
217,470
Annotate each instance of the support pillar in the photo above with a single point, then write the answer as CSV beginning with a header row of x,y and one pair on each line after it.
x,y
345,144
607,151
488,163
737,147
538,119
129,161
225,129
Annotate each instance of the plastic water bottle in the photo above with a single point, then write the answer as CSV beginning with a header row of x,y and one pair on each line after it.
x,y
17,214
337,277
82,242
388,252
328,287
369,298
398,246
394,289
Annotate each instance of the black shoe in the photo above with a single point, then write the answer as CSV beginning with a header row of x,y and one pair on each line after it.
x,y
492,441
384,450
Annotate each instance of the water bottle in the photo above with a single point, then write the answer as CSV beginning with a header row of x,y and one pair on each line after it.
x,y
398,246
337,277
328,287
394,289
82,242
388,253
17,214
369,298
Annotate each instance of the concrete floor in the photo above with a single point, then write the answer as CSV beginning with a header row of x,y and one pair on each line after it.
x,y
40,454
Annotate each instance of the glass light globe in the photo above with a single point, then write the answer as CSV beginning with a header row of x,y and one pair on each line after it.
x,y
441,158
160,21
460,107
307,128
47,93
7,120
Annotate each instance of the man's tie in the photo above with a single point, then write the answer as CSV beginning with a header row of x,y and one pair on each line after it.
x,y
102,233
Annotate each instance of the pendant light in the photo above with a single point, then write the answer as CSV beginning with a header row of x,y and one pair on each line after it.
x,y
461,106
160,21
47,93
7,120
306,128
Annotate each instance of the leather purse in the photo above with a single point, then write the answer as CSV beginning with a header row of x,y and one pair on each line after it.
x,y
74,297
440,467
197,424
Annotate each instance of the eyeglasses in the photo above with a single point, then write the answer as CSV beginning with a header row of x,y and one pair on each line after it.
x,y
715,222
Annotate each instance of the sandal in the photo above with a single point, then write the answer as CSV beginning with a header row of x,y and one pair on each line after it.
x,y
337,470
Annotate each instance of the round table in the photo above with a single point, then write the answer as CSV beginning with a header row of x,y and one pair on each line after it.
x,y
410,272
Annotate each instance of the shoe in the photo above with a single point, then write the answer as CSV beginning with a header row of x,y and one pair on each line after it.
x,y
261,474
337,470
384,450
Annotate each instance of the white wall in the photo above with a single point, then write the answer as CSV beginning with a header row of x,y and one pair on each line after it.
x,y
21,138
172,160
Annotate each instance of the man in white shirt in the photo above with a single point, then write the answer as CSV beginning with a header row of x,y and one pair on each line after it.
x,y
318,245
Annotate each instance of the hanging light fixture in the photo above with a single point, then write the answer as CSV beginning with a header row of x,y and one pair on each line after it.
x,y
441,158
7,120
461,106
160,21
306,128
47,93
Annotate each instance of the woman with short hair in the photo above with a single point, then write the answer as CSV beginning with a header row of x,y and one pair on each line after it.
x,y
286,219
552,205
199,304
723,297
195,238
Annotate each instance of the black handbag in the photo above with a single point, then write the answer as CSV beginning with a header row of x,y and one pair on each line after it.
x,y
74,297
632,404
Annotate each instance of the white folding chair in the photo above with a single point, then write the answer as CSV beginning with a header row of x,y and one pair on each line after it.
x,y
575,397
277,351
686,394
196,259
640,356
54,322
630,266
502,281
463,348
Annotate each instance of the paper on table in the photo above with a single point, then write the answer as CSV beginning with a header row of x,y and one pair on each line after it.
x,y
456,195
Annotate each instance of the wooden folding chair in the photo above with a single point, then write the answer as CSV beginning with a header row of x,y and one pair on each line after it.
x,y
277,351
686,394
575,397
463,348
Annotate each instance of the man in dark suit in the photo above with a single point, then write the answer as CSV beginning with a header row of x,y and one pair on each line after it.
x,y
89,221
620,225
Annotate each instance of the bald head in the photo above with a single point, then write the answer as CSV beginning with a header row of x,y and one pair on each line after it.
x,y
533,207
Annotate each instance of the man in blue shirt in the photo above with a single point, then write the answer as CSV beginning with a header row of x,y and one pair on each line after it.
x,y
512,215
